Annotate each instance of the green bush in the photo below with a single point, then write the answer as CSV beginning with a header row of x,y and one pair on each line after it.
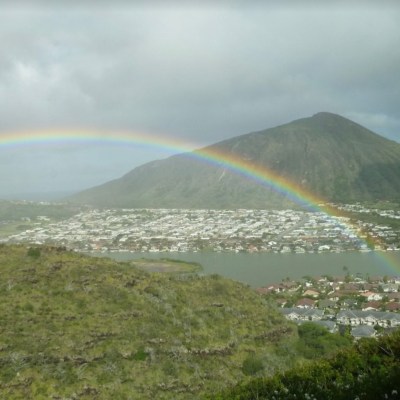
x,y
316,341
252,365
141,355
34,252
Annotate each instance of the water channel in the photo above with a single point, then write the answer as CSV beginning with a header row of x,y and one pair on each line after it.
x,y
260,269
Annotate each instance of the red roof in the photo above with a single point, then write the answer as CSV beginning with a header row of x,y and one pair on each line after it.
x,y
375,305
392,306
305,303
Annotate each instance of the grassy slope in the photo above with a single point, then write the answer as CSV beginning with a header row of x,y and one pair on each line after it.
x,y
92,328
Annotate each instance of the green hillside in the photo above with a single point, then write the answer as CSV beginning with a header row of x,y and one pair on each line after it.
x,y
370,370
20,210
326,154
78,327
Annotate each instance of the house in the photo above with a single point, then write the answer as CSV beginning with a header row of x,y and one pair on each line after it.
x,y
302,314
351,287
393,319
305,303
372,305
271,289
393,306
348,317
363,331
370,287
334,286
372,296
349,303
294,314
390,287
381,318
393,296
311,293
372,319
333,296
291,286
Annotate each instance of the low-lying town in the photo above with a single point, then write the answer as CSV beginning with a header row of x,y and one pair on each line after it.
x,y
365,307
166,230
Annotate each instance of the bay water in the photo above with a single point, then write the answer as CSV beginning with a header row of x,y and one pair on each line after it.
x,y
260,269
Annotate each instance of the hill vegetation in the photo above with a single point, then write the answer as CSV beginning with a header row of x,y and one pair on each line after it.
x,y
17,216
370,370
328,155
79,327
73,326
11,211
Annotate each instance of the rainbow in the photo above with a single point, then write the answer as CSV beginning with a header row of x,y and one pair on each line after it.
x,y
247,169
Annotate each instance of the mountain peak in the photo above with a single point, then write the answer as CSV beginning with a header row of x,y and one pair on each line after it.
x,y
328,116
325,114
328,155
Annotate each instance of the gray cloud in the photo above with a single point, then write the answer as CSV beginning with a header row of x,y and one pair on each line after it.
x,y
195,73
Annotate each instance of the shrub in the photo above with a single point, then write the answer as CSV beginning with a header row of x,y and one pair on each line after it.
x,y
34,252
252,365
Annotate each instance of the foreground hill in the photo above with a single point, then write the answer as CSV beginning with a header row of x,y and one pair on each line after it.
x,y
370,370
91,328
326,154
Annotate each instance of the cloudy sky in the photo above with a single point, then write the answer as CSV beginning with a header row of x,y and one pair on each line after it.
x,y
198,74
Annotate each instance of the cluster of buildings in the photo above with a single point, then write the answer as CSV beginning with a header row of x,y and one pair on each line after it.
x,y
177,230
366,306
362,209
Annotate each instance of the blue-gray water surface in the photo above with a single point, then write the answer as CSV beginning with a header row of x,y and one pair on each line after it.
x,y
261,269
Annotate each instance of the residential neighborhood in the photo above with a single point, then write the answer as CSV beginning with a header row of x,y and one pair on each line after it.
x,y
179,230
365,306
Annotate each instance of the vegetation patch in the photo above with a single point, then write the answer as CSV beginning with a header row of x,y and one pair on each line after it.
x,y
166,265
369,370
74,326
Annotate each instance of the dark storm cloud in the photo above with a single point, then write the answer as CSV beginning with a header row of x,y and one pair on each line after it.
x,y
201,74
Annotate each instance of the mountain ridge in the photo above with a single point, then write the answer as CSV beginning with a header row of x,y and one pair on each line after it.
x,y
326,154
